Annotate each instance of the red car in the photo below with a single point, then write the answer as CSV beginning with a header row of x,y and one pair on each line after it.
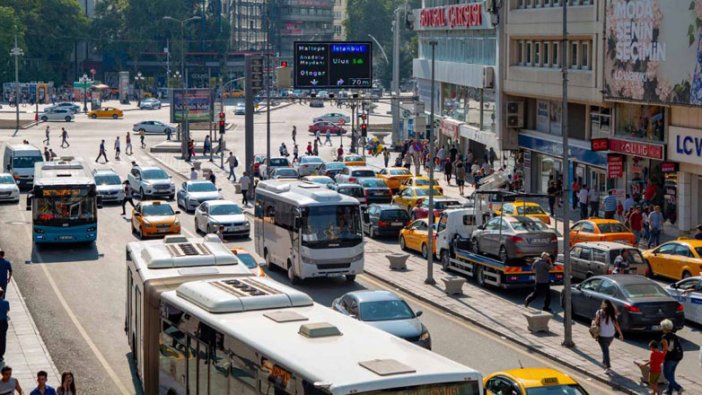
x,y
323,126
258,159
421,210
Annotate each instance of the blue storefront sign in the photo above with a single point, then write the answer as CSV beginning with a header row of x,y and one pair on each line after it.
x,y
556,149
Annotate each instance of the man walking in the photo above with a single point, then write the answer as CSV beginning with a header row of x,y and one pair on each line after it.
x,y
47,133
102,153
117,148
42,388
5,271
127,197
542,268
655,223
64,138
582,200
594,198
610,205
233,162
317,135
636,224
386,156
129,150
327,138
294,134
245,181
4,311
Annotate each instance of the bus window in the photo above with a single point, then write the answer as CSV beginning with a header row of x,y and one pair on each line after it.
x,y
242,379
172,359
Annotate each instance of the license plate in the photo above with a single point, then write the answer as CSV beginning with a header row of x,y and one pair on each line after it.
x,y
65,237
539,241
397,224
5,193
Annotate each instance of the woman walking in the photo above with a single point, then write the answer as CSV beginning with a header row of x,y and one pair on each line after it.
x,y
606,320
670,343
460,175
68,385
448,168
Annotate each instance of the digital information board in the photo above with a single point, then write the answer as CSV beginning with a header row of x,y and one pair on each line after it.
x,y
333,65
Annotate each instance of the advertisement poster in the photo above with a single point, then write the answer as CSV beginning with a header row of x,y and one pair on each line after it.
x,y
123,86
555,117
653,51
542,120
197,103
615,166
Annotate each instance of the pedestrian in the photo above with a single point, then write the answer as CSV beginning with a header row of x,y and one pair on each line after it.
x,y
220,233
129,150
469,158
141,138
4,317
606,321
193,174
47,134
169,132
610,205
295,152
620,211
671,345
386,156
636,224
317,136
103,152
233,162
646,225
327,138
294,133
629,203
9,384
654,363
575,187
52,154
5,272
552,193
583,196
117,149
206,146
212,178
245,182
68,384
42,387
64,138
47,155
655,223
407,161
128,198
453,152
448,168
308,150
542,281
283,150
622,262
698,232
460,175
492,156
340,153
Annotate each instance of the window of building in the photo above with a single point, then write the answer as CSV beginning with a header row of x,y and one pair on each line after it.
x,y
556,62
640,121
537,54
520,52
574,55
527,53
585,55
545,54
600,121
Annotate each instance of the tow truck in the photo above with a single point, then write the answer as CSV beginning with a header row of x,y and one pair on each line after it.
x,y
456,252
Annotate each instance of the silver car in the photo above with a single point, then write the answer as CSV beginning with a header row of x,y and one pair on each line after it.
x,y
150,104
215,213
386,311
153,127
284,173
514,237
192,193
57,114
74,108
9,191
308,165
108,185
333,117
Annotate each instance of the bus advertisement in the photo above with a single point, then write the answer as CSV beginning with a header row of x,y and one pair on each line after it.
x,y
63,202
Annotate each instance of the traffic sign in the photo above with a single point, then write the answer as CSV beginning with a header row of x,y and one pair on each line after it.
x,y
333,65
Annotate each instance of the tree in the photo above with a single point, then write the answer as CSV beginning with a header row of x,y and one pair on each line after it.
x,y
13,25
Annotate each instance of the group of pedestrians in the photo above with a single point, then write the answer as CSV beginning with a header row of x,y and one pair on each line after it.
x,y
117,146
10,386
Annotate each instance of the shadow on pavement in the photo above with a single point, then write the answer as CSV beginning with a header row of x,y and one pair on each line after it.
x,y
61,253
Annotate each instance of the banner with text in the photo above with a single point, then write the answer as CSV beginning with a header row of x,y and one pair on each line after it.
x,y
196,104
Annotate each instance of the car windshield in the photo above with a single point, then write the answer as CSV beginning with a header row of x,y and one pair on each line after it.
x,y
612,228
399,172
373,183
633,256
643,290
154,174
423,192
521,210
5,179
354,158
442,205
25,162
279,162
107,179
202,187
385,310
351,191
573,389
423,182
526,224
157,209
334,166
363,173
225,209
310,159
248,260
286,172
324,224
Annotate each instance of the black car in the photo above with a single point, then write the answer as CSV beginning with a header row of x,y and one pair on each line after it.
x,y
348,189
376,190
384,220
331,169
642,304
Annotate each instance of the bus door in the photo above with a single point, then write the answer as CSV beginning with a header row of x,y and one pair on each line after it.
x,y
258,225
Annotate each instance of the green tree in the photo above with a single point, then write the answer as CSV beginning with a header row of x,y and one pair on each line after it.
x,y
12,25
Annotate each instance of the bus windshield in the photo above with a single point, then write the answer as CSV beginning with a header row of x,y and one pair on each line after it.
x,y
25,162
327,225
54,207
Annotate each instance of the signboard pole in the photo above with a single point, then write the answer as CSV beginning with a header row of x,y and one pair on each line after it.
x,y
248,118
567,319
430,255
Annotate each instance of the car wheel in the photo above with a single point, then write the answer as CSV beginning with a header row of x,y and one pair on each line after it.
x,y
133,228
68,119
93,116
170,197
197,227
425,251
350,278
480,276
445,259
371,234
503,254
44,118
686,274
294,279
141,194
140,233
114,116
475,246
403,246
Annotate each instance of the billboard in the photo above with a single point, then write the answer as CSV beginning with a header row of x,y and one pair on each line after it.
x,y
333,65
197,103
653,51
453,17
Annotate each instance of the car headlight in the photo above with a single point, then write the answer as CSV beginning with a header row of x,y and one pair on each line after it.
x,y
176,222
147,223
425,335
246,224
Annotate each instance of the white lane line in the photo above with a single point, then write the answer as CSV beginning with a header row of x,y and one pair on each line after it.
x,y
84,334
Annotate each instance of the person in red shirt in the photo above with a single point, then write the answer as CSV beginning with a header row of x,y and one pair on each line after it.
x,y
309,148
575,187
654,363
636,223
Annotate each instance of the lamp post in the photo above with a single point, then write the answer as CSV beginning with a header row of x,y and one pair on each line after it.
x,y
84,81
430,243
17,52
177,77
138,81
568,311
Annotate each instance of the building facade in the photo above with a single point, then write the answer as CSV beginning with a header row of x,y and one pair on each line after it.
x,y
247,22
300,20
340,15
465,60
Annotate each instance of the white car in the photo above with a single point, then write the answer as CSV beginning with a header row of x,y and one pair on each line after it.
x,y
215,213
153,127
108,185
308,165
57,114
74,108
151,181
9,191
287,173
150,104
265,169
240,109
333,117
688,292
192,193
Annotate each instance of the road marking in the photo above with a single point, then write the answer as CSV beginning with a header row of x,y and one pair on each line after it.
x,y
473,328
84,334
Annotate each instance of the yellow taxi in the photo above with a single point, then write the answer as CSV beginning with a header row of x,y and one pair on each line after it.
x,y
676,259
600,229
155,218
394,176
524,208
252,261
528,381
421,181
106,112
354,160
415,236
410,197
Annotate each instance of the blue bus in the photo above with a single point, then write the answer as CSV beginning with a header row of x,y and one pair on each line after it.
x,y
63,202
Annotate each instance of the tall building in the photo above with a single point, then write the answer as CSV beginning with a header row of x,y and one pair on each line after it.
x,y
340,15
465,57
247,22
299,20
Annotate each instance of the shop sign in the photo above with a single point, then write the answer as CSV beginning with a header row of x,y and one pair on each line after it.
x,y
669,167
450,128
646,150
454,17
615,166
555,148
685,145
599,145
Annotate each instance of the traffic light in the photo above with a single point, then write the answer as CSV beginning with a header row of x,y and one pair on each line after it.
x,y
222,123
364,130
363,117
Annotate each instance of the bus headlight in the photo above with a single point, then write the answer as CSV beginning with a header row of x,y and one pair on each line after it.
x,y
38,230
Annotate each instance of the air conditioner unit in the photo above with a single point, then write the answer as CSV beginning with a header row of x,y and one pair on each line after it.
x,y
488,77
515,114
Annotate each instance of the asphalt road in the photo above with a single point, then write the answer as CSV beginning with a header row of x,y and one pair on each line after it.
x,y
76,294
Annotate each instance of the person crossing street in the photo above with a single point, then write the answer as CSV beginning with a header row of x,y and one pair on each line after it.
x,y
127,197
47,134
233,162
103,152
117,149
64,138
128,149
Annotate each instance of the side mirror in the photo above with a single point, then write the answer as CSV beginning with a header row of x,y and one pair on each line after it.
x,y
177,212
418,313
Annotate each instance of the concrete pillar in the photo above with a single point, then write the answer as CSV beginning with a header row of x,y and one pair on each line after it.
x,y
687,214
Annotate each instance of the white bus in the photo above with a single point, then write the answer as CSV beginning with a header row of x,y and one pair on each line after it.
x,y
308,230
156,266
252,335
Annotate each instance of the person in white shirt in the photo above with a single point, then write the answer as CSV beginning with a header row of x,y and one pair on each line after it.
x,y
582,200
594,200
629,203
193,174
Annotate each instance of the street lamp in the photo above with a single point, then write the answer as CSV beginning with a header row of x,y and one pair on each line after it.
x,y
84,81
177,77
430,256
138,81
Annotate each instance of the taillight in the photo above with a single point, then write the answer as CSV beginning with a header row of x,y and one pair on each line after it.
x,y
632,309
517,239
382,224
609,270
352,179
680,308
554,238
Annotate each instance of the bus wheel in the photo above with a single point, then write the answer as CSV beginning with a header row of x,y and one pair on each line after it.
x,y
350,278
294,279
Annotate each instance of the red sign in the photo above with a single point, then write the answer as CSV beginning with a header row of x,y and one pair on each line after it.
x,y
636,148
669,167
463,16
449,128
599,145
615,166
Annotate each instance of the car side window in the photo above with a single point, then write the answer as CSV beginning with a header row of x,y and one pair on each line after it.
x,y
691,283
576,251
683,250
577,227
508,209
591,285
599,256
667,249
502,386
608,287
494,224
586,254
407,192
588,227
353,307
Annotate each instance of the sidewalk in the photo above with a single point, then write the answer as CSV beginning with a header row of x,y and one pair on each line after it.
x,y
26,352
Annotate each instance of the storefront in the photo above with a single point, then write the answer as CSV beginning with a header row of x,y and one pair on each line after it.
x,y
448,133
641,163
685,170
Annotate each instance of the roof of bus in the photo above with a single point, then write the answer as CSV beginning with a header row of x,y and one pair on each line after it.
x,y
24,147
62,172
319,360
303,193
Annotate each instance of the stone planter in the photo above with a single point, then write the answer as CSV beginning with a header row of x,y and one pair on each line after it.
x,y
454,285
537,321
397,261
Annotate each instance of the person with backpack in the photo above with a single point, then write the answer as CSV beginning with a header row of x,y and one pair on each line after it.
x,y
671,345
605,326
233,163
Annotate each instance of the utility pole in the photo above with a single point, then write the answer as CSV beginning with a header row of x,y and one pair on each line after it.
x,y
395,109
16,51
568,318
168,63
430,243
